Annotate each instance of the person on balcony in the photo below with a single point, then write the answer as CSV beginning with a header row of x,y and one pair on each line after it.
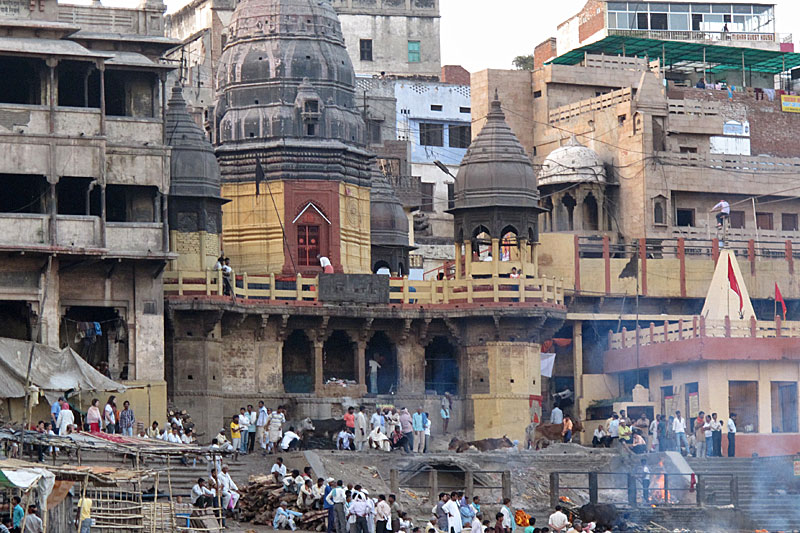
x,y
724,209
325,263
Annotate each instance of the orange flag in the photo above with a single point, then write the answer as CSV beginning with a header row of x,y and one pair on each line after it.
x,y
734,284
779,298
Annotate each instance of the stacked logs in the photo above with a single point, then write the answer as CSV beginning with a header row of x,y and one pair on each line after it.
x,y
262,496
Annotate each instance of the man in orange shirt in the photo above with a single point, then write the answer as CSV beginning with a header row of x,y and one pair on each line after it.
x,y
350,419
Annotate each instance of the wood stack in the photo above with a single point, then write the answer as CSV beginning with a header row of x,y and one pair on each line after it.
x,y
262,496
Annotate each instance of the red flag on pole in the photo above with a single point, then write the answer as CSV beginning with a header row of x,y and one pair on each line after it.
x,y
734,284
779,298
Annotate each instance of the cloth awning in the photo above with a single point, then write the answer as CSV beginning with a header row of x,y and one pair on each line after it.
x,y
53,371
26,476
677,54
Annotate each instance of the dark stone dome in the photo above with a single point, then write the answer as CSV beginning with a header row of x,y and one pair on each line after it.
x,y
388,220
496,171
194,170
285,72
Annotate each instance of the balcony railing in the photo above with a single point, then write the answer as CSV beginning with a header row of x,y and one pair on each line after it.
x,y
589,105
688,35
743,163
700,327
402,290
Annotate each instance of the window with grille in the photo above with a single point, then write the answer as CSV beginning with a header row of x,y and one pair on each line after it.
x,y
307,245
366,49
460,136
427,197
431,134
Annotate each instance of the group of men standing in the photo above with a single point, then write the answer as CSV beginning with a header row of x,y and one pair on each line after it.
x,y
262,427
387,429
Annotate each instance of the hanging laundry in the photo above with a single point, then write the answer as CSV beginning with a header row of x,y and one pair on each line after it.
x,y
97,330
770,94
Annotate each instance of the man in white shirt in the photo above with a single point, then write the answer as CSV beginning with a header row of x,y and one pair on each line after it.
x,y
653,431
230,492
613,428
174,437
509,524
338,498
724,209
374,365
558,521
679,429
261,427
278,470
453,514
732,435
244,421
362,433
108,417
202,496
376,420
290,440
556,416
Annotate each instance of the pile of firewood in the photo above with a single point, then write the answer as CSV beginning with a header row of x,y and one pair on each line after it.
x,y
262,496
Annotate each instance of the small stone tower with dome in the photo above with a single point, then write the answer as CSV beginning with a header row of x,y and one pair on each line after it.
x,y
195,204
286,102
389,228
496,209
573,181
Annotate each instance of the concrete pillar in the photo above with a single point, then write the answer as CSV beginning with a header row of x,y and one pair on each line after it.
x,y
459,273
495,256
524,258
601,216
764,400
577,214
361,362
318,344
410,367
468,260
577,360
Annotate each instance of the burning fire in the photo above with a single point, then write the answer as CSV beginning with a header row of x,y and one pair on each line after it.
x,y
658,491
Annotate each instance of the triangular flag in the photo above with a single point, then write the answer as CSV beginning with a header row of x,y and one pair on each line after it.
x,y
734,284
259,176
779,298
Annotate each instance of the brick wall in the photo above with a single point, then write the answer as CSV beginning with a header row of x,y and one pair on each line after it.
x,y
592,19
772,131
455,74
544,51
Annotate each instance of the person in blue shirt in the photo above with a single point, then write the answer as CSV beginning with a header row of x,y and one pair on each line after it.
x,y
55,410
284,517
418,422
18,513
328,506
467,513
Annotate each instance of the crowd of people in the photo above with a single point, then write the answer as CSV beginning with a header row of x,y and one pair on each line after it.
x,y
699,437
387,429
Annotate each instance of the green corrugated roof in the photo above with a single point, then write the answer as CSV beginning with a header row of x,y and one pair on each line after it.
x,y
682,53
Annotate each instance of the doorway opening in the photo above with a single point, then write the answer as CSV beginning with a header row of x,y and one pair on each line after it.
x,y
441,367
381,366
298,363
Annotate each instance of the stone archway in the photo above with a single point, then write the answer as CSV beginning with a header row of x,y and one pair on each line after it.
x,y
382,351
339,358
298,363
441,366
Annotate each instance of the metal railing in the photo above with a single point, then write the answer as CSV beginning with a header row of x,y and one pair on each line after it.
x,y
691,35
664,488
433,485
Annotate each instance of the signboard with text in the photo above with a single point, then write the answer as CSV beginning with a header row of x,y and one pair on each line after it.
x,y
790,103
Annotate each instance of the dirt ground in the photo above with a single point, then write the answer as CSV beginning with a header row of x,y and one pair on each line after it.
x,y
530,471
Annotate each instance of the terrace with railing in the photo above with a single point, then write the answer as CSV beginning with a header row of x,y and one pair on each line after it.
x,y
589,105
402,291
699,327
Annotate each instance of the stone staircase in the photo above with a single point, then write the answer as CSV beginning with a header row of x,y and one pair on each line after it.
x,y
769,494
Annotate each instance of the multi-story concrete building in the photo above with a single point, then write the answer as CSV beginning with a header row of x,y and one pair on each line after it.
x,y
85,178
740,24
383,37
633,155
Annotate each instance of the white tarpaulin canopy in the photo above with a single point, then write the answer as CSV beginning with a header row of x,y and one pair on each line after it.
x,y
53,371
26,476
